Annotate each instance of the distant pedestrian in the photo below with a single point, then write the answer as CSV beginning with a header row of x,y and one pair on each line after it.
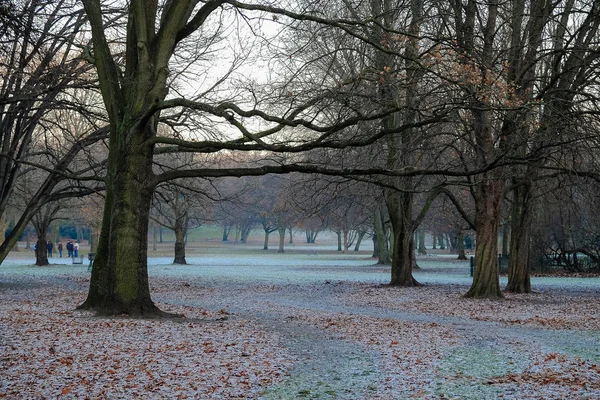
x,y
59,247
50,247
76,249
35,248
70,248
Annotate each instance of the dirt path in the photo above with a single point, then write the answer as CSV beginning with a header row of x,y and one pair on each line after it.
x,y
331,366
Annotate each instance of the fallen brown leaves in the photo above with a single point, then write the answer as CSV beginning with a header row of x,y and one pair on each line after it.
x,y
49,351
544,310
556,370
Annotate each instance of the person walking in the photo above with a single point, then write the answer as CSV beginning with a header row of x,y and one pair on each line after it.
x,y
76,249
50,247
70,248
60,248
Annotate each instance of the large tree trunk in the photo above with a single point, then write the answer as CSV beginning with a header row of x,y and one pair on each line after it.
x,y
518,267
400,211
41,254
486,282
41,225
119,281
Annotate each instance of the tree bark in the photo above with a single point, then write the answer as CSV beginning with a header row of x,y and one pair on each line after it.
x,y
505,239
422,248
281,231
383,251
486,281
41,254
226,230
359,240
460,246
346,243
119,281
400,212
519,268
266,240
180,233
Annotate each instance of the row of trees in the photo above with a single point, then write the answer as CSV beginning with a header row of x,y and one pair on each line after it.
x,y
487,105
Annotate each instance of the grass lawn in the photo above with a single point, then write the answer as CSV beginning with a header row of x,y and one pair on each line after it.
x,y
311,323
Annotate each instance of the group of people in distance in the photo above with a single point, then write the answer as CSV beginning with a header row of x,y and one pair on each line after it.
x,y
72,248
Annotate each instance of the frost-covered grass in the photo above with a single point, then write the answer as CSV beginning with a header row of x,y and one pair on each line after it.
x,y
303,324
242,263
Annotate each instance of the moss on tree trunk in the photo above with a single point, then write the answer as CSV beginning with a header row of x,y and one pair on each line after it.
x,y
119,281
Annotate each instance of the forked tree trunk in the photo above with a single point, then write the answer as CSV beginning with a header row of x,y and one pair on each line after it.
x,y
245,233
226,230
486,282
359,240
400,211
518,267
346,243
180,231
